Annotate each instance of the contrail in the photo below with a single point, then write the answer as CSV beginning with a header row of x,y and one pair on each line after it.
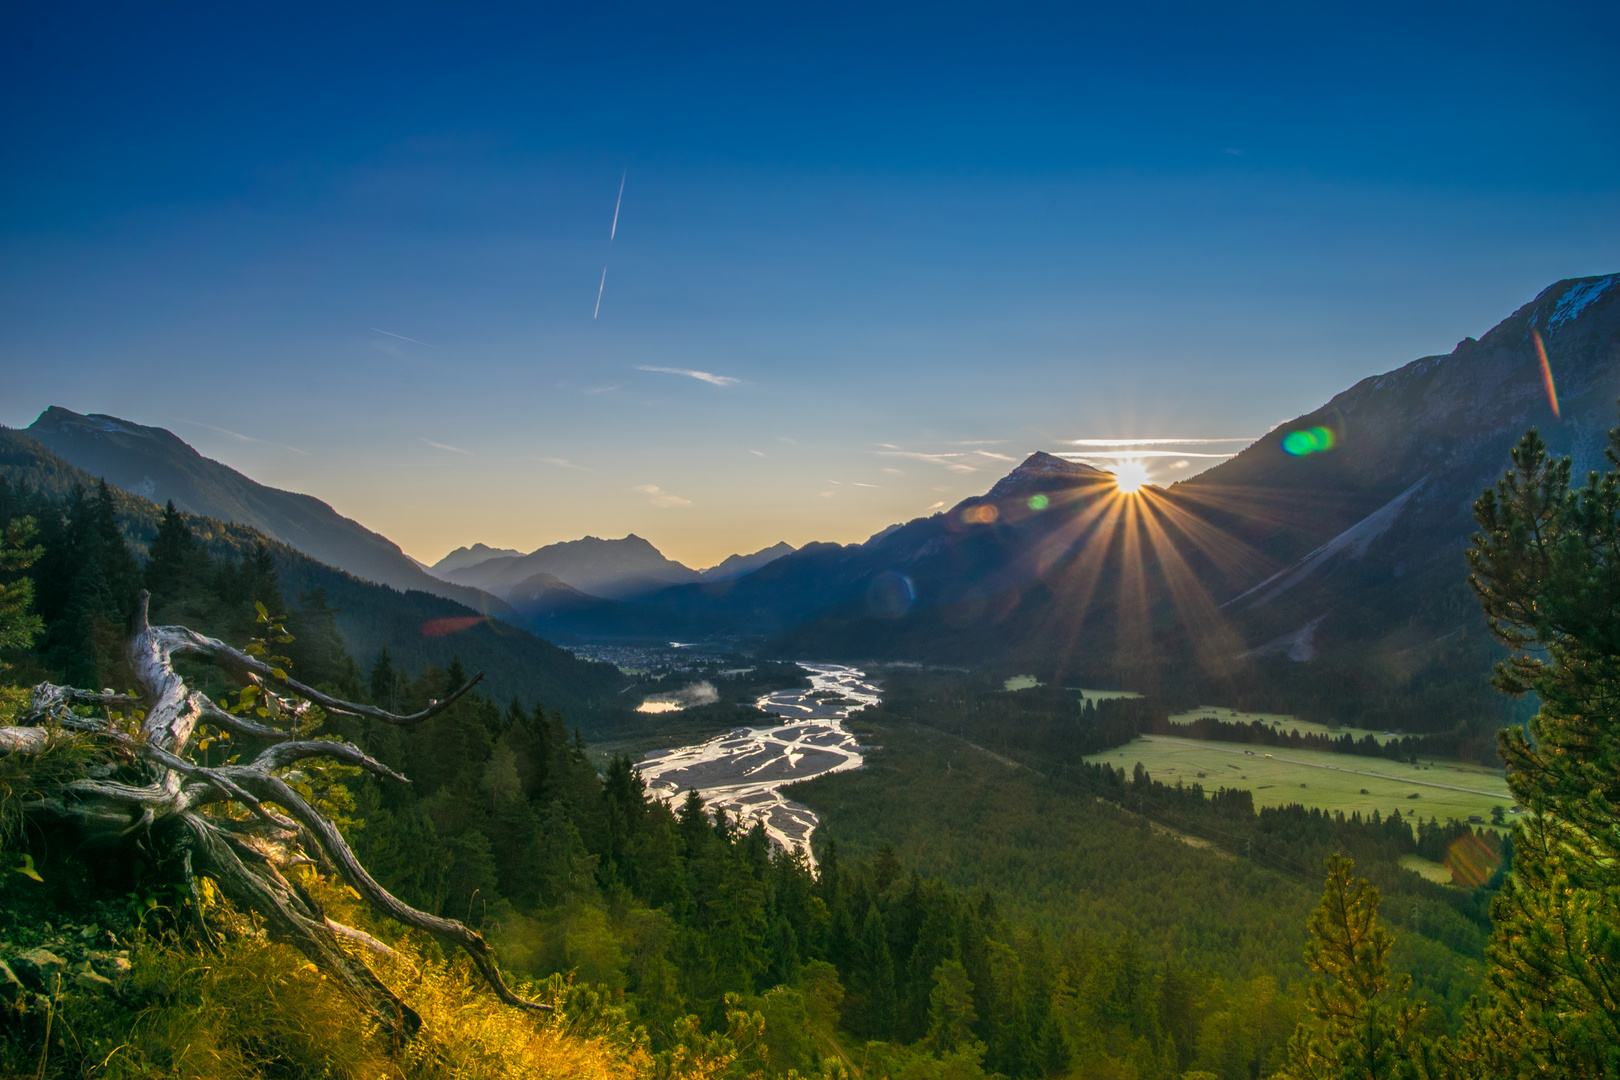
x,y
616,203
599,289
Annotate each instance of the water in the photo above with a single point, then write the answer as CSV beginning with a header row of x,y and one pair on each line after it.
x,y
743,771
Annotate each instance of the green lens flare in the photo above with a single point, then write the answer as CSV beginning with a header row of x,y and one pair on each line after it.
x,y
1298,443
1323,438
1038,502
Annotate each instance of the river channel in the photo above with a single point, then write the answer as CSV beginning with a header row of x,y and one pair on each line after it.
x,y
743,771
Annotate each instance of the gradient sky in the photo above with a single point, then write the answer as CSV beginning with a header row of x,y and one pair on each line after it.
x,y
355,252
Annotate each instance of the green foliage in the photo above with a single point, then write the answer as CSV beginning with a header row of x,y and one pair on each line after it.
x,y
1360,1023
18,626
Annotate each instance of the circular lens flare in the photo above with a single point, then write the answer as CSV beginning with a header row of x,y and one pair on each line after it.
x,y
1130,476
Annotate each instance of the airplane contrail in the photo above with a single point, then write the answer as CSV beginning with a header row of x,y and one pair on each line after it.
x,y
599,289
616,203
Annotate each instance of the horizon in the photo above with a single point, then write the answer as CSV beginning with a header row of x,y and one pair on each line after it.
x,y
729,277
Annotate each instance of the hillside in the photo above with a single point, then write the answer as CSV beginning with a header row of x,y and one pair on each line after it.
x,y
416,627
156,464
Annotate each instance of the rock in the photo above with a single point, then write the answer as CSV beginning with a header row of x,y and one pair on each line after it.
x,y
39,968
11,987
89,980
115,967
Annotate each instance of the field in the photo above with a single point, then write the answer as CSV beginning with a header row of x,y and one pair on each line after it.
x,y
1281,721
1313,778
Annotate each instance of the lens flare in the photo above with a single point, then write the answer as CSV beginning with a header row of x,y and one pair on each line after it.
x,y
1312,441
1039,502
454,625
1546,373
983,514
1129,476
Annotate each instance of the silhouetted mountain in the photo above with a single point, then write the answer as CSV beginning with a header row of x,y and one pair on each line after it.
x,y
416,627
611,569
156,464
463,557
735,566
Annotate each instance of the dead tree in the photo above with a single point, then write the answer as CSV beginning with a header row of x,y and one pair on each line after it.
x,y
240,824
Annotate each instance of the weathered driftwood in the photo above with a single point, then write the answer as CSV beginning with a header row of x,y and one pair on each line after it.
x,y
180,809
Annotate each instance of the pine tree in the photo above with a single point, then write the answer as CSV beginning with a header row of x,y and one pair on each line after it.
x,y
169,554
1546,567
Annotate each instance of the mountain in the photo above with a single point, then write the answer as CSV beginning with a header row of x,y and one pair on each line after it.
x,y
463,557
735,566
156,464
607,569
416,627
611,569
1319,571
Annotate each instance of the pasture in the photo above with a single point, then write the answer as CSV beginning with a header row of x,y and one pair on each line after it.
x,y
1282,722
1344,782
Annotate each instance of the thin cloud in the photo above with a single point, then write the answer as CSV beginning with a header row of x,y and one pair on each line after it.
x,y
1158,442
892,471
702,376
1180,464
564,463
661,498
446,446
402,337
932,506
828,494
998,457
244,438
943,460
757,453
592,391
1139,454
859,484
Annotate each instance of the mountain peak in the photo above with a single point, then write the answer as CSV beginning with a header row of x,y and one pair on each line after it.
x,y
1042,469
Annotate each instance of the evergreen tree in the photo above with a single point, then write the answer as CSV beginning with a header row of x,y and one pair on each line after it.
x,y
169,555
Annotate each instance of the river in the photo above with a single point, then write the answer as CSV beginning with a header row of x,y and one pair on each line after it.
x,y
743,771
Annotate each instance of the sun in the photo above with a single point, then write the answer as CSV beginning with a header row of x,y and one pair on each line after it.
x,y
1129,476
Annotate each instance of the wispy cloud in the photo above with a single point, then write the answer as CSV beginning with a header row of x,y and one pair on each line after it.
x,y
564,463
1159,442
998,457
594,390
445,446
402,337
1138,454
757,453
244,438
932,506
702,376
661,498
892,471
944,460
859,484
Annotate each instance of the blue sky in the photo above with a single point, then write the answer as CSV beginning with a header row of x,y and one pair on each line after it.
x,y
912,241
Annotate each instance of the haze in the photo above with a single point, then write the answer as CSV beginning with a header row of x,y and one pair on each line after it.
x,y
863,262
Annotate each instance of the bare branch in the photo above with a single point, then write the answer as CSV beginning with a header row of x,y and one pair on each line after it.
x,y
283,754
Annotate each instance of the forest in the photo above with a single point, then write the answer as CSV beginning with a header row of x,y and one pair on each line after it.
x,y
982,901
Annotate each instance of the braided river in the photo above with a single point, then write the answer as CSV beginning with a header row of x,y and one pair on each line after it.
x,y
743,771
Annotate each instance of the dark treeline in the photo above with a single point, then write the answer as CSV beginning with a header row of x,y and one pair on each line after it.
x,y
1407,748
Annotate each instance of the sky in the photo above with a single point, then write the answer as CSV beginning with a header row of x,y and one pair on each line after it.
x,y
867,257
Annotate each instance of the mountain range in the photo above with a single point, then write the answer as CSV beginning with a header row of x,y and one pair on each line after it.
x,y
1318,571
606,569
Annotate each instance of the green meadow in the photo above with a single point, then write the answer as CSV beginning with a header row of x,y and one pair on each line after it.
x,y
1282,722
1314,778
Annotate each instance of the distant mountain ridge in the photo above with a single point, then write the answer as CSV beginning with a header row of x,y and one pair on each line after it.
x,y
605,569
156,464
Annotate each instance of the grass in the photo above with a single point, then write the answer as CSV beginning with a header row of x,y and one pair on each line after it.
x,y
1316,778
1283,722
1429,871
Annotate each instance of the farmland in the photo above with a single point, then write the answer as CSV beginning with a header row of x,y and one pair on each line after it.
x,y
1281,722
1278,777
